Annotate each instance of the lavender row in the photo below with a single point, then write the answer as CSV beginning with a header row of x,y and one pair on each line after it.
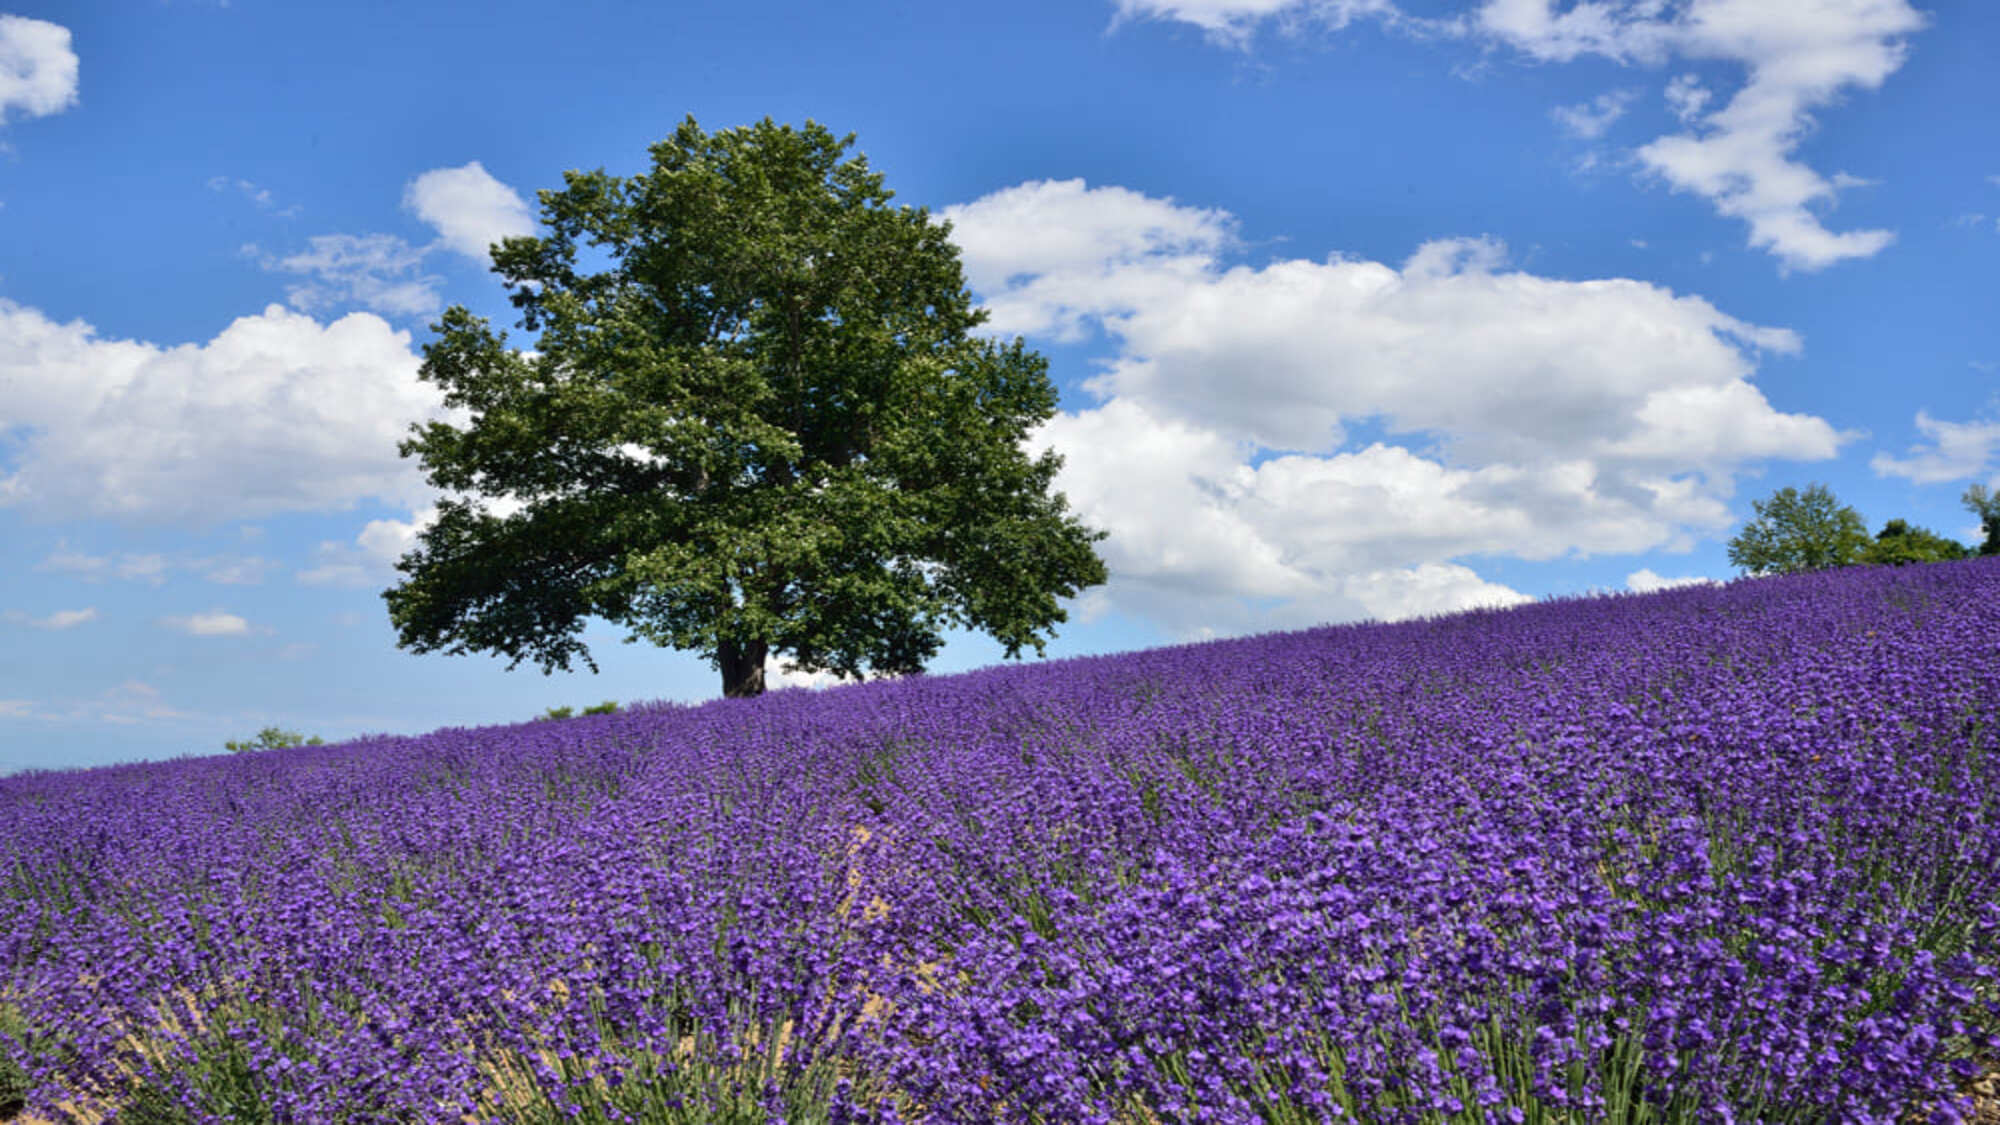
x,y
1723,853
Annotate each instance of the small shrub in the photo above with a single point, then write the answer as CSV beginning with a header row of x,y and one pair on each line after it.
x,y
607,707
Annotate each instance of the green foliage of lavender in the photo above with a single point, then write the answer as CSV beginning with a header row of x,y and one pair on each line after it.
x,y
1724,853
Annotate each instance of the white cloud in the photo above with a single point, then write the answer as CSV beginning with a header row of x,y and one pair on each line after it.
x,y
130,703
1542,417
261,196
385,541
1043,253
1428,590
371,558
60,619
779,675
233,570
37,67
67,618
376,271
1625,30
469,208
1589,120
337,567
147,568
214,623
1686,96
1233,22
1799,58
1952,451
1644,581
1280,355
277,413
384,273
1206,544
225,570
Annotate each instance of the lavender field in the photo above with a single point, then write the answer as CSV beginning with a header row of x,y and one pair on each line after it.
x,y
1718,854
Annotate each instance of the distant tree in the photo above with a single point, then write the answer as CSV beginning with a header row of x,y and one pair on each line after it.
x,y
1899,544
608,707
271,738
1799,531
1986,506
761,421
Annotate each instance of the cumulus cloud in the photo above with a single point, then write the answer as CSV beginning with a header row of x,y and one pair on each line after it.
x,y
1043,252
1951,451
1536,417
37,67
277,413
1280,355
1644,581
371,558
214,623
60,619
385,273
779,675
1798,58
469,209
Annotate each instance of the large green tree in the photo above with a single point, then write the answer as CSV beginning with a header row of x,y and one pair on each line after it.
x,y
1985,505
1900,543
756,421
1798,531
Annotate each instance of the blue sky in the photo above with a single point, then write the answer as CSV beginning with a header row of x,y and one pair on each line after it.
x,y
1358,308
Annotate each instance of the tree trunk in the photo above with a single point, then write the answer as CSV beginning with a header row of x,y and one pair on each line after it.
x,y
742,668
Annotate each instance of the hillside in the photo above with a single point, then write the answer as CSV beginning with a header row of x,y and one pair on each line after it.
x,y
1714,853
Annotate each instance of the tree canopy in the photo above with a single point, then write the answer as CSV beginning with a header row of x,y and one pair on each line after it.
x,y
756,420
1985,504
1798,531
1899,544
272,738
